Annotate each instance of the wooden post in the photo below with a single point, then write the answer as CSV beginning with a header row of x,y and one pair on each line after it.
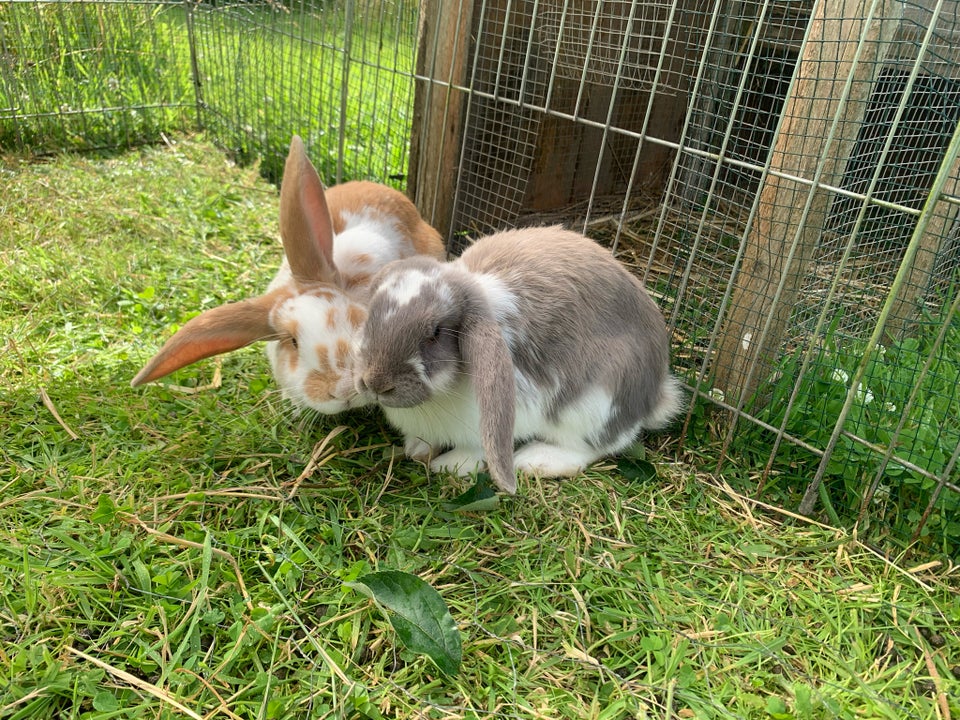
x,y
442,66
920,273
781,243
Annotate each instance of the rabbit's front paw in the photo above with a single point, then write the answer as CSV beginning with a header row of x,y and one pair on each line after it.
x,y
459,461
417,449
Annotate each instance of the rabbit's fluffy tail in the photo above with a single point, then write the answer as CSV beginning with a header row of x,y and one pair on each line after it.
x,y
672,403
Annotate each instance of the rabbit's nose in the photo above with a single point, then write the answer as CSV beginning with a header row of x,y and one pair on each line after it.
x,y
373,383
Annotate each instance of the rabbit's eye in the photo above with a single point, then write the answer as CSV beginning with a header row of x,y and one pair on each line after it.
x,y
293,341
431,340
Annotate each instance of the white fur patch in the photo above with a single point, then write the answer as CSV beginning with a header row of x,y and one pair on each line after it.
x,y
403,287
452,419
671,404
417,364
449,419
549,461
302,312
623,440
503,304
371,235
462,461
283,277
418,450
587,415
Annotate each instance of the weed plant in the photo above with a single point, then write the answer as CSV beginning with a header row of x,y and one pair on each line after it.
x,y
903,400
183,549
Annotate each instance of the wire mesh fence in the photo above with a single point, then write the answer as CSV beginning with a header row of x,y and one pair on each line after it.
x,y
80,76
783,175
339,74
97,75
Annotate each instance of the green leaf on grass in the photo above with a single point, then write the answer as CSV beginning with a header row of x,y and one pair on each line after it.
x,y
105,512
802,701
636,470
777,709
105,701
481,497
418,615
637,451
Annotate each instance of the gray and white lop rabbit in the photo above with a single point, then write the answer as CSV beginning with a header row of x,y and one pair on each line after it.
x,y
535,338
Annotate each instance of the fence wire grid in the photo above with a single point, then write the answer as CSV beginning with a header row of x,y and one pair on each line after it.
x,y
782,174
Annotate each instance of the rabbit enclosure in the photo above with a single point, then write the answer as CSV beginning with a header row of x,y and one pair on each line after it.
x,y
783,175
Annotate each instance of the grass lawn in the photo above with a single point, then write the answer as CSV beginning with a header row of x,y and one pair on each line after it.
x,y
181,550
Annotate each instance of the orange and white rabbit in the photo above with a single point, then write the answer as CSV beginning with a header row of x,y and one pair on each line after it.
x,y
334,241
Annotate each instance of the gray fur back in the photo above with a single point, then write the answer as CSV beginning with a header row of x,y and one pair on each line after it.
x,y
583,320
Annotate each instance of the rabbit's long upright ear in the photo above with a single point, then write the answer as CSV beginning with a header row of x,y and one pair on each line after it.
x,y
488,357
305,224
213,332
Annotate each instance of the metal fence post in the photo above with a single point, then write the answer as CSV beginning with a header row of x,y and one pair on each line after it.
x,y
194,65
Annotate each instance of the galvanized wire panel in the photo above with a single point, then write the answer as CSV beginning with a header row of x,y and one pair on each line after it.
x,y
83,75
857,198
80,75
339,74
767,168
498,141
603,42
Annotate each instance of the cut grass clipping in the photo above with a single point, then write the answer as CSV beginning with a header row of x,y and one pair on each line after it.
x,y
192,549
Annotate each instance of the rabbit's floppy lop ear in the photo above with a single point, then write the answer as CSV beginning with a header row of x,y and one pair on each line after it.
x,y
489,365
305,224
213,332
